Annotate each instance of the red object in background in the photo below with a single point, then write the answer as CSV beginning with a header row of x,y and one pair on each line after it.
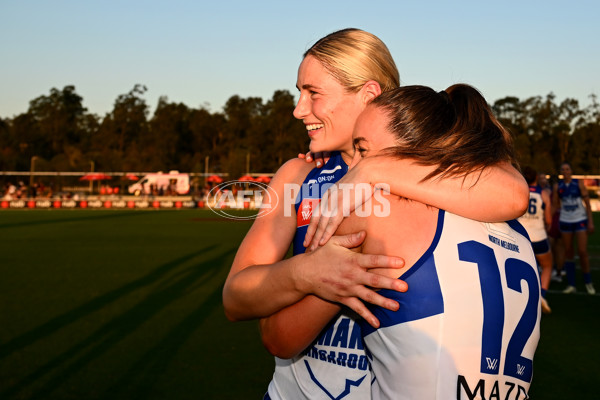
x,y
246,178
131,177
214,179
57,204
4,204
131,204
263,179
31,204
107,204
95,176
83,204
155,204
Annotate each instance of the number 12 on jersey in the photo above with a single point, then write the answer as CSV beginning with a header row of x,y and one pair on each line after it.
x,y
515,365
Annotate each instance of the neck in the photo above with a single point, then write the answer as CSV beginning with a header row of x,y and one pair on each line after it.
x,y
347,156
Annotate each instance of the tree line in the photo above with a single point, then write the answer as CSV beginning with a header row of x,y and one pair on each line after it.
x,y
60,133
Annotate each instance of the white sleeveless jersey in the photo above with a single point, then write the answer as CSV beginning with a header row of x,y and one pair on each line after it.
x,y
533,219
468,326
335,366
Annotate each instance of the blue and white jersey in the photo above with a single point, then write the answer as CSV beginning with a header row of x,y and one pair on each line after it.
x,y
533,219
335,366
314,186
571,204
468,326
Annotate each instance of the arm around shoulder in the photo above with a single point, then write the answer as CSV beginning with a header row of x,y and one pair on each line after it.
x,y
498,193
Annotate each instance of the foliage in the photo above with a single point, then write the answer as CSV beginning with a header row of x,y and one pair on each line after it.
x,y
248,135
547,133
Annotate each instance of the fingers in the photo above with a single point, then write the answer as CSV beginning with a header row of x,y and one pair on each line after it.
x,y
372,297
377,281
320,220
359,307
312,227
350,241
319,159
327,228
379,261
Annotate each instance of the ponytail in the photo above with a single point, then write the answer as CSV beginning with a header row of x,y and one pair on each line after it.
x,y
454,129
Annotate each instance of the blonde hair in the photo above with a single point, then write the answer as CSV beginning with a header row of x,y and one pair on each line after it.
x,y
354,57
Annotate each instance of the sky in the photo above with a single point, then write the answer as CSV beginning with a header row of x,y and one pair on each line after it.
x,y
201,53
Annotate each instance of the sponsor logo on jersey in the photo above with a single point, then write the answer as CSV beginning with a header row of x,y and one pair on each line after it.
x,y
331,171
494,390
305,211
492,364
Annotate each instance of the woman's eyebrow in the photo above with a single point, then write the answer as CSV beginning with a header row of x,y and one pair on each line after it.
x,y
307,86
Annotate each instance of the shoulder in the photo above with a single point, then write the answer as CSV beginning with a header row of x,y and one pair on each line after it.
x,y
292,171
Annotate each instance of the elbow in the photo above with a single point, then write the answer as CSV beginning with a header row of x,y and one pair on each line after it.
x,y
277,341
278,348
231,316
230,311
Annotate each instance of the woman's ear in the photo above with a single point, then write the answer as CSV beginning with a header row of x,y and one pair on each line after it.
x,y
370,90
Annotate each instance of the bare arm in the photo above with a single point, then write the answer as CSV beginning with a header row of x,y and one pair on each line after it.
x,y
555,199
547,208
499,193
588,206
261,282
259,271
289,331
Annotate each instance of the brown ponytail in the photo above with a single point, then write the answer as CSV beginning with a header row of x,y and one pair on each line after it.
x,y
453,129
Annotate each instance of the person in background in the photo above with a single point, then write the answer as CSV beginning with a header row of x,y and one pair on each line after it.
x,y
556,242
537,221
575,222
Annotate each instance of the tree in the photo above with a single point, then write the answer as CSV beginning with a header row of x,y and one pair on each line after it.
x,y
244,123
170,137
116,144
288,135
207,139
58,116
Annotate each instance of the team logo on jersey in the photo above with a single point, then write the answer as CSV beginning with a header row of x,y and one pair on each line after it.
x,y
492,363
305,211
520,369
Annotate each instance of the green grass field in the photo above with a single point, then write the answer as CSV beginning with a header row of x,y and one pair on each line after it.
x,y
118,304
